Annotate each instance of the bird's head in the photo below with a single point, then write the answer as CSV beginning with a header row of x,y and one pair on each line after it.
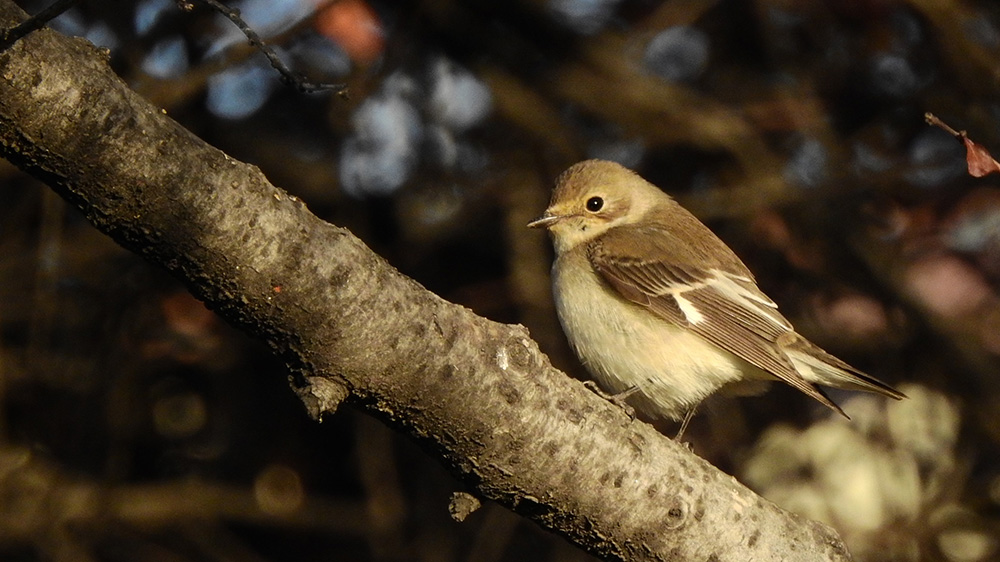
x,y
592,197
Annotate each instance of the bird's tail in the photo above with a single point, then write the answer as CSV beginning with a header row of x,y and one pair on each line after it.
x,y
818,366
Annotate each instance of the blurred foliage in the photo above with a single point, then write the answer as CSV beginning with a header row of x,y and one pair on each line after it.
x,y
134,425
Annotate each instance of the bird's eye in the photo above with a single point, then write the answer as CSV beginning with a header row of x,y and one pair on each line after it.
x,y
595,204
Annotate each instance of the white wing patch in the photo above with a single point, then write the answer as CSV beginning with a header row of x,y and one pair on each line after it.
x,y
738,289
691,312
744,291
688,308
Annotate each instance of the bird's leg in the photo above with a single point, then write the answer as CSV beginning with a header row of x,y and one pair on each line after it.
x,y
684,424
617,399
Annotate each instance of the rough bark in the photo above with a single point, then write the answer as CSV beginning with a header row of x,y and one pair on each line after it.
x,y
477,393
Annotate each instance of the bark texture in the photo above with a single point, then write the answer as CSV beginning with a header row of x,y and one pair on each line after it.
x,y
477,393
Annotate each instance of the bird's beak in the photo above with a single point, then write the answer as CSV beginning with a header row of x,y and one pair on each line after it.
x,y
545,220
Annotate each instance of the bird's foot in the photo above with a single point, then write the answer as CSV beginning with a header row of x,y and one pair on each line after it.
x,y
616,399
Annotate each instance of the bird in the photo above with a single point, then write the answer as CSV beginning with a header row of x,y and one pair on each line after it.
x,y
660,311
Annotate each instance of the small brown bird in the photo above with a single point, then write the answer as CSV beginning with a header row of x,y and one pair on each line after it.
x,y
659,309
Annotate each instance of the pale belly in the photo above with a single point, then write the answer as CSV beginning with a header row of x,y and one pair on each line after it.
x,y
624,345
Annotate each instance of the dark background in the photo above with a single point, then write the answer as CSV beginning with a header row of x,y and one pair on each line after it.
x,y
135,425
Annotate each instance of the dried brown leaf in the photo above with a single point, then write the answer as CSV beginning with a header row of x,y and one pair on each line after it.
x,y
980,161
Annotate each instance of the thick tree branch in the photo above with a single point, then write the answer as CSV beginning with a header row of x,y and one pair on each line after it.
x,y
478,393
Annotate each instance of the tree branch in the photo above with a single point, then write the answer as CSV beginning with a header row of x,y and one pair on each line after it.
x,y
287,76
477,393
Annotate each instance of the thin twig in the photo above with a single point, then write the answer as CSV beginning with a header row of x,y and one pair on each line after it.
x,y
287,76
10,36
932,119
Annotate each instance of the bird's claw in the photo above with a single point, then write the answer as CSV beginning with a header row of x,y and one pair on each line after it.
x,y
616,399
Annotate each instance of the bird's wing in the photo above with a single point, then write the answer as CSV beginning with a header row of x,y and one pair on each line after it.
x,y
717,299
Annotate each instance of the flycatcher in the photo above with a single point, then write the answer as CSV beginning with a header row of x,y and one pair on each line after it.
x,y
659,309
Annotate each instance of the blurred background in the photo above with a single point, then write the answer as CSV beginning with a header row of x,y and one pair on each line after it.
x,y
135,425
